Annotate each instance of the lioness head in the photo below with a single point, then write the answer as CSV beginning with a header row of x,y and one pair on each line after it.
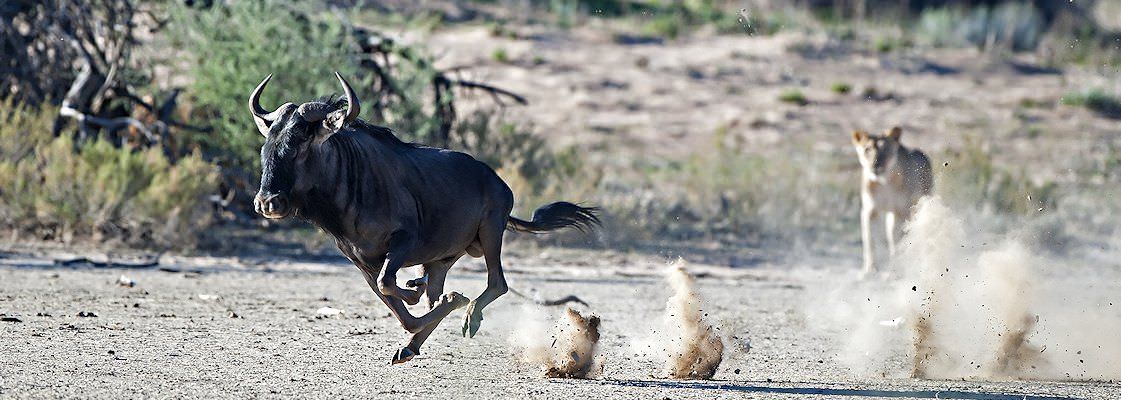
x,y
876,152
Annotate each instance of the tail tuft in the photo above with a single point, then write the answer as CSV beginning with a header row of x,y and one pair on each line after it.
x,y
561,214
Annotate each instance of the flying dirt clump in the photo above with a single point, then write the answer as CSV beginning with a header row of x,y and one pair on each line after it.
x,y
695,350
569,352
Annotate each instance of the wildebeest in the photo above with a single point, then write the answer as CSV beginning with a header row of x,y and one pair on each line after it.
x,y
391,204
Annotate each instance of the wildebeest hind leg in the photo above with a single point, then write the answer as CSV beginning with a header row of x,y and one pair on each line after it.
x,y
490,237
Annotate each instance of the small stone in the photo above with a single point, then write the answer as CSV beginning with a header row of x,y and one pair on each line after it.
x,y
326,312
126,281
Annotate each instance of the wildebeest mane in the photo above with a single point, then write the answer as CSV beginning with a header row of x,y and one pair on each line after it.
x,y
383,134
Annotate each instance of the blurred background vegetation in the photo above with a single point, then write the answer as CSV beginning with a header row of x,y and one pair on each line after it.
x,y
124,122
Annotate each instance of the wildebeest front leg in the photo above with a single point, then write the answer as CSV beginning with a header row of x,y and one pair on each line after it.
x,y
399,310
490,237
399,247
436,272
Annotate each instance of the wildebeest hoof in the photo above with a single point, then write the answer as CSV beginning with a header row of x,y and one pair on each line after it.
x,y
410,296
453,299
403,355
418,282
472,321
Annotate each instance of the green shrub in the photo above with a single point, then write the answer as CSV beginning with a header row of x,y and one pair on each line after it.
x,y
1097,100
230,48
887,44
840,88
229,55
1013,25
793,96
672,20
56,189
500,55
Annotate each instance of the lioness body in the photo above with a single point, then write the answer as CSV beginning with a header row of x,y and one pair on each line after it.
x,y
893,179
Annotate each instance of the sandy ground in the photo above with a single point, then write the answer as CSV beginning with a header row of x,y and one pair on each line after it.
x,y
172,334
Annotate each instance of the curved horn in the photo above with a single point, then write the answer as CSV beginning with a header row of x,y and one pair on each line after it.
x,y
352,106
255,101
262,117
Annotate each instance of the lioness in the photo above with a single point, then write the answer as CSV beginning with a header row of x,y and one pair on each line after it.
x,y
894,177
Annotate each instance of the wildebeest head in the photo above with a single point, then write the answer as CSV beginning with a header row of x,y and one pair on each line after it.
x,y
291,133
877,152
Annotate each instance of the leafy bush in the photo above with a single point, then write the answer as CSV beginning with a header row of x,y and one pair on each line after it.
x,y
231,48
56,189
1017,26
840,88
500,55
677,18
1096,100
793,96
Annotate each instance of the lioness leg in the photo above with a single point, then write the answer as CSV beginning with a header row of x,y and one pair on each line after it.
x,y
867,217
490,238
891,231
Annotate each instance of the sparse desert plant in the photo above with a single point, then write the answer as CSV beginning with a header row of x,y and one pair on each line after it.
x,y
500,55
1015,25
726,194
969,176
1096,100
534,172
56,189
674,19
840,88
793,96
889,43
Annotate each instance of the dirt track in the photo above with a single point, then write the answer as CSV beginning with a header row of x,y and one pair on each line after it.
x,y
172,335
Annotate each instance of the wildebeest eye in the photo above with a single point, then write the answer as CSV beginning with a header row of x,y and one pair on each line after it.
x,y
298,139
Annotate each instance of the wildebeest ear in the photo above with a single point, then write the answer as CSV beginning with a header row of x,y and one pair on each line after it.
x,y
859,137
335,120
894,133
329,126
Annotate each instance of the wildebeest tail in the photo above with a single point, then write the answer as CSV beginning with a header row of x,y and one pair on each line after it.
x,y
551,217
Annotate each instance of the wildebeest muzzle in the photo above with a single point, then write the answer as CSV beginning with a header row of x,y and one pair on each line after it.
x,y
271,205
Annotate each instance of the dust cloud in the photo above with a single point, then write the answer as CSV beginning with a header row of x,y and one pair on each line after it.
x,y
694,349
567,350
961,306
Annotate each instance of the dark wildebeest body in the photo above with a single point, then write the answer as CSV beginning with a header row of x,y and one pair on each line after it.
x,y
391,204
